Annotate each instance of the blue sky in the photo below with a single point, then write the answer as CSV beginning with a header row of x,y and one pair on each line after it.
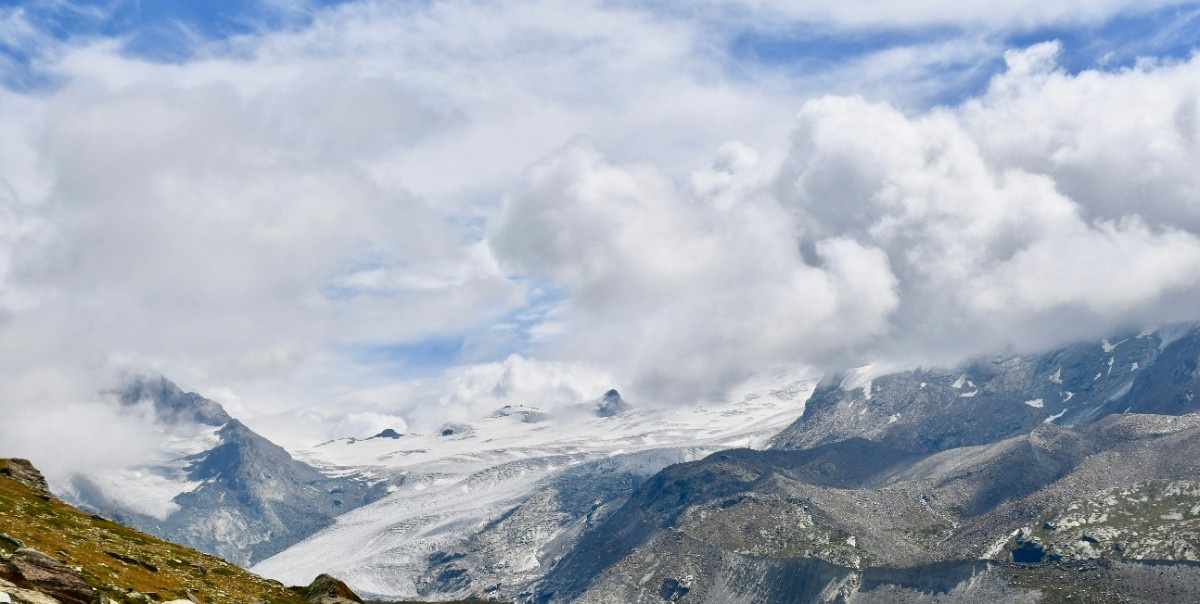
x,y
175,30
607,188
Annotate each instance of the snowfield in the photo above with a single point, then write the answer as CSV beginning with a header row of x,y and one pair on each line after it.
x,y
447,485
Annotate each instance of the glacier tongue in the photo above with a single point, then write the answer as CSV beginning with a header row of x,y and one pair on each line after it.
x,y
447,488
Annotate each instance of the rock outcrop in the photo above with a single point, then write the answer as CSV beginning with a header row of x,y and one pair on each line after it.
x,y
30,569
326,589
23,471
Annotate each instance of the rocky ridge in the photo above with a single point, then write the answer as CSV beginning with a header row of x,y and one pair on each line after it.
x,y
240,496
969,484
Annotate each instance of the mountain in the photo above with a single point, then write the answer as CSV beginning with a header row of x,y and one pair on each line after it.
x,y
1068,476
986,400
221,487
1065,476
485,507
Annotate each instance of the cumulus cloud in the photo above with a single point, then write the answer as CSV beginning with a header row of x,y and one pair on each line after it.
x,y
249,220
685,292
990,253
911,238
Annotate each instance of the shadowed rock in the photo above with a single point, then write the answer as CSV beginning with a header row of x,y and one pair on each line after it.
x,y
31,569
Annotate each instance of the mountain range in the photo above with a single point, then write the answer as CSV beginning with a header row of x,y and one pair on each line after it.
x,y
1050,477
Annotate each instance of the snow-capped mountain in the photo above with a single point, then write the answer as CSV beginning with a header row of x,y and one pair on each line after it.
x,y
506,495
932,485
218,486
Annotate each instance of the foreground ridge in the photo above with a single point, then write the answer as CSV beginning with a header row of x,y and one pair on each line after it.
x,y
51,553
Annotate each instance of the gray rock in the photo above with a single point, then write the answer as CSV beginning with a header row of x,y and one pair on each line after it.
x,y
24,472
255,498
30,569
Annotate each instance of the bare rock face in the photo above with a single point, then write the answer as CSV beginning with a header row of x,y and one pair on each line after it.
x,y
611,404
31,569
11,594
326,589
24,472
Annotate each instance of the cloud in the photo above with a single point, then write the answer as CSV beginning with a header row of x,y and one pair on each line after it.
x,y
990,253
685,292
1009,15
250,217
880,236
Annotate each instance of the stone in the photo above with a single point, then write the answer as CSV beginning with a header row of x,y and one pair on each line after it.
x,y
31,569
23,472
27,596
326,589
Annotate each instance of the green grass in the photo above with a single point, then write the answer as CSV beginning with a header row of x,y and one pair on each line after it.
x,y
114,559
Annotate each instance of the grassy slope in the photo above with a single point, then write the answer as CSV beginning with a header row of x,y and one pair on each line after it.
x,y
115,558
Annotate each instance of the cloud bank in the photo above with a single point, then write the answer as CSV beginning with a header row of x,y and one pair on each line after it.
x,y
1050,208
397,215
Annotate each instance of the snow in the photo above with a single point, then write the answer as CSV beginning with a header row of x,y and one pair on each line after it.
x,y
1069,396
1172,333
968,394
1050,420
144,491
958,384
444,489
861,377
1057,377
998,546
151,489
1036,403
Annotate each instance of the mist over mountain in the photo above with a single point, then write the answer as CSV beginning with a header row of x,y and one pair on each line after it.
x,y
227,490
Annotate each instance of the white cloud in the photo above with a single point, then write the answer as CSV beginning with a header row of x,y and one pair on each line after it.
x,y
995,16
911,238
246,221
685,294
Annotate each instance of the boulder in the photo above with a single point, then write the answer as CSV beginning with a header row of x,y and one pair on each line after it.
x,y
326,589
31,569
23,471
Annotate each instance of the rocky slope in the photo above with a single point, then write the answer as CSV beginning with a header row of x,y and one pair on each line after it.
x,y
854,517
930,485
987,400
220,487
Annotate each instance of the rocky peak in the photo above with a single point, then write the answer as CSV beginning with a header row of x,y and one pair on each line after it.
x,y
244,454
24,472
612,404
172,405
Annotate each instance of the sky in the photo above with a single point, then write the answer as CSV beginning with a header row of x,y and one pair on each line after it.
x,y
335,217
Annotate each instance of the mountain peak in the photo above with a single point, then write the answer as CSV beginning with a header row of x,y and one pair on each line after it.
x,y
172,405
612,404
